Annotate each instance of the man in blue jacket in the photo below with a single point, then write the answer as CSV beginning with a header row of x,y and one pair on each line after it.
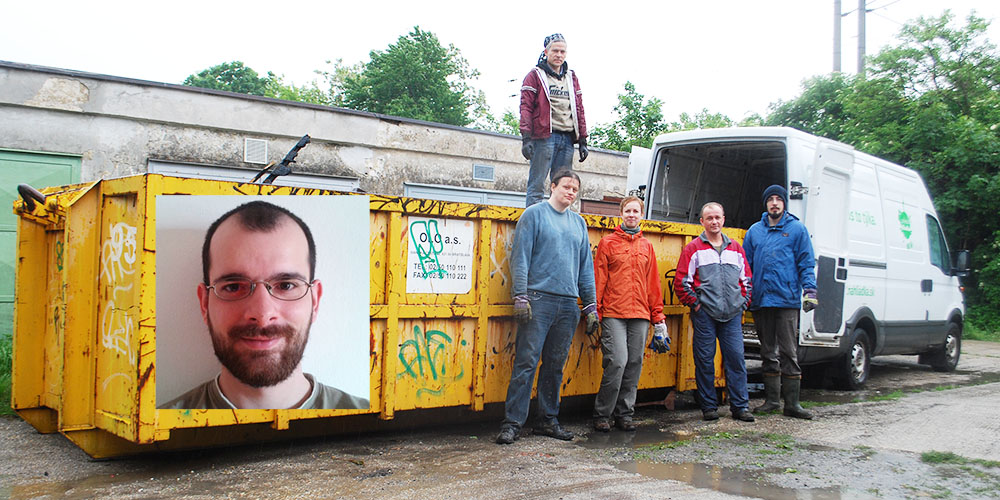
x,y
781,259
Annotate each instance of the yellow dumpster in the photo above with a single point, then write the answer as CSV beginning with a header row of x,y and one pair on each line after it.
x,y
85,334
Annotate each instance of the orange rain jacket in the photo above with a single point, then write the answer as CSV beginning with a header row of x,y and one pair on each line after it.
x,y
628,283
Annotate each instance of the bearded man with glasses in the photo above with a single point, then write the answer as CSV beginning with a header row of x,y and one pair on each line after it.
x,y
259,296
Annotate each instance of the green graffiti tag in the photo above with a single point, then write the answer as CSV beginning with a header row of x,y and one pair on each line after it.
x,y
429,246
425,358
59,255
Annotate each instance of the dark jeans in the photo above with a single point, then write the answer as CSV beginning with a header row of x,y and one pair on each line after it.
x,y
550,156
730,337
548,334
622,341
777,329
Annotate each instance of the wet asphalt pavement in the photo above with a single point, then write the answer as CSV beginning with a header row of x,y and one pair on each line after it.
x,y
865,444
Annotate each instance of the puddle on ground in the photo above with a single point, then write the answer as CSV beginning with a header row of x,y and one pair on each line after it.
x,y
725,480
641,437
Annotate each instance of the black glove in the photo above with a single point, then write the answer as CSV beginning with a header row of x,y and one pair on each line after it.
x,y
584,153
527,147
809,301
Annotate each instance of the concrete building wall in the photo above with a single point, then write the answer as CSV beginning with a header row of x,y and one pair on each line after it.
x,y
118,124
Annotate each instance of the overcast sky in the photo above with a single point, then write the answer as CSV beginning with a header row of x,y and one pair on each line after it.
x,y
729,56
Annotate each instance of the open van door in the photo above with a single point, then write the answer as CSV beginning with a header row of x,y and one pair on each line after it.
x,y
827,202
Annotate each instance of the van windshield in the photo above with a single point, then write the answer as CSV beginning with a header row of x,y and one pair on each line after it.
x,y
733,173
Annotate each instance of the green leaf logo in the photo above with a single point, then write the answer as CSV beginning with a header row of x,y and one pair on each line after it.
x,y
904,224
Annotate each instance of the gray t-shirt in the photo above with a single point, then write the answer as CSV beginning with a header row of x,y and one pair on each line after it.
x,y
208,396
562,114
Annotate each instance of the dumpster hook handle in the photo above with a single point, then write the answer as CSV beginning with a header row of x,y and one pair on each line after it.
x,y
30,195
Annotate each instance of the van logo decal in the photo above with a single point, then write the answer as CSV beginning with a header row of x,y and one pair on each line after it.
x,y
864,218
904,224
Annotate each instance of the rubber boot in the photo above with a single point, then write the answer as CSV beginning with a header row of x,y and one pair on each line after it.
x,y
772,393
790,388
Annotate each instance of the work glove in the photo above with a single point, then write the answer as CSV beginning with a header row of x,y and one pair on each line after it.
x,y
661,339
527,147
592,319
522,309
809,301
584,152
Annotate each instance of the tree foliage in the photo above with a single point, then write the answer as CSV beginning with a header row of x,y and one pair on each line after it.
x,y
232,76
415,78
236,77
931,102
639,122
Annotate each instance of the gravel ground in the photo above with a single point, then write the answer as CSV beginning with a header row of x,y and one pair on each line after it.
x,y
865,449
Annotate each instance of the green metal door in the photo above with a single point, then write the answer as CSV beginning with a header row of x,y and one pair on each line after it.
x,y
38,170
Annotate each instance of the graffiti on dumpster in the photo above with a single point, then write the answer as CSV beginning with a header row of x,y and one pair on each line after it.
x,y
424,358
428,244
439,258
508,243
118,255
59,255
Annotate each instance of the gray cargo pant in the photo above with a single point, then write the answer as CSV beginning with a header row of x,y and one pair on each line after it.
x,y
777,329
622,341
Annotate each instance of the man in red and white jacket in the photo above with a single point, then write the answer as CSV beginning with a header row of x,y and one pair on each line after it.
x,y
713,279
552,118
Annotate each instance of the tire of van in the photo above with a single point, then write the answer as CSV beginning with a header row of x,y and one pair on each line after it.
x,y
945,358
853,368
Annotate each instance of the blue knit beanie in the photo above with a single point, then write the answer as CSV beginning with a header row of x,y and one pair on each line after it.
x,y
778,190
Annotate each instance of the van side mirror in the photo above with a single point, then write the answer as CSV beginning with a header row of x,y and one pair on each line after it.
x,y
961,268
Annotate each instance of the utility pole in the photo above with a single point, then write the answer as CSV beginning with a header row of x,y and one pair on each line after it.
x,y
836,36
861,38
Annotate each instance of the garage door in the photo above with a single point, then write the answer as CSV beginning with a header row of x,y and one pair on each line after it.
x,y
38,170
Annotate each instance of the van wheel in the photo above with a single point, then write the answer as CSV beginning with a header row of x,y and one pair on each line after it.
x,y
855,366
945,358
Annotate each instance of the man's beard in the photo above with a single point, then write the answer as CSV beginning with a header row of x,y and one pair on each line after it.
x,y
260,368
775,216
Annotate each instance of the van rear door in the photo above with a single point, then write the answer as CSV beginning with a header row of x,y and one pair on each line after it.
x,y
826,217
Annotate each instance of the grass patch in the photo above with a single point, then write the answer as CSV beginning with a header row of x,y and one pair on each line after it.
x,y
813,404
892,396
664,446
6,358
722,435
947,457
973,332
776,444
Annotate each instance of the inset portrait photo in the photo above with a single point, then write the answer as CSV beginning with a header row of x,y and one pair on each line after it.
x,y
262,302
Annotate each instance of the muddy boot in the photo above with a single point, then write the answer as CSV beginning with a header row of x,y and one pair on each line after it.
x,y
790,393
772,393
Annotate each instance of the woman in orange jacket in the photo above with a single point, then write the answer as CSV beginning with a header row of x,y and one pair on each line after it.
x,y
628,300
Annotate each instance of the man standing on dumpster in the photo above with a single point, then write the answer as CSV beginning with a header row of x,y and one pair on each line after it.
x,y
781,256
713,279
551,266
259,298
552,118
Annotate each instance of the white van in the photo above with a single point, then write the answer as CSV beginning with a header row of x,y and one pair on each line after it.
x,y
886,280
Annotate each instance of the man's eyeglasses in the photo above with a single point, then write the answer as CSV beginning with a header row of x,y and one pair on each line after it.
x,y
231,289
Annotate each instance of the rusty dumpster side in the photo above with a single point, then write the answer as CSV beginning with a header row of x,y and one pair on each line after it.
x,y
85,320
